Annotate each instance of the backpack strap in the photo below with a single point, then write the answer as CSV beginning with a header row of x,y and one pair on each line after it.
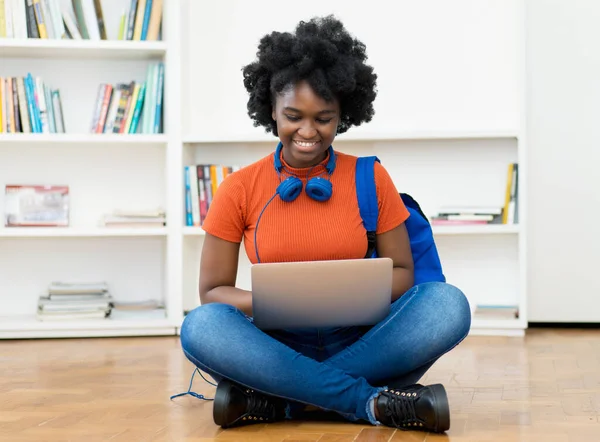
x,y
366,193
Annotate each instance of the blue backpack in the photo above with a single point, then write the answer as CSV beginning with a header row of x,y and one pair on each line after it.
x,y
424,252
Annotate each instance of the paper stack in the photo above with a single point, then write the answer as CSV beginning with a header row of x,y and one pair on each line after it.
x,y
67,301
135,218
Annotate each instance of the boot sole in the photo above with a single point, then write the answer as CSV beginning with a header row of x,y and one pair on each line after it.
x,y
219,403
442,408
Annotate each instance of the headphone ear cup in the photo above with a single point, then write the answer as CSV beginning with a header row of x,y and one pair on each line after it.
x,y
319,189
289,189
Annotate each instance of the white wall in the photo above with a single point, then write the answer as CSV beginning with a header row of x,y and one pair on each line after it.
x,y
563,120
442,65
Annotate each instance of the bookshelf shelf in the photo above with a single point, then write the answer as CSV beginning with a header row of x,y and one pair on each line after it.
x,y
29,327
81,49
73,232
356,136
486,229
62,139
193,231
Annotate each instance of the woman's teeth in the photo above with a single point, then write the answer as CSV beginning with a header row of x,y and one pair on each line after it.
x,y
306,144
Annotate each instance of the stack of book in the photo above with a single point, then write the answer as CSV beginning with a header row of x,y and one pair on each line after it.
x,y
144,310
135,218
485,311
130,108
82,19
467,215
66,301
28,105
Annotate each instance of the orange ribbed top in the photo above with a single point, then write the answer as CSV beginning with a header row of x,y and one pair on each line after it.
x,y
302,230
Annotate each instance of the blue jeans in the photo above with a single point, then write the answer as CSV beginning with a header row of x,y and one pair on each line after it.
x,y
341,369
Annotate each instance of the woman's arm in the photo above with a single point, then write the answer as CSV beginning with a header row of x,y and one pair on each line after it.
x,y
218,271
395,244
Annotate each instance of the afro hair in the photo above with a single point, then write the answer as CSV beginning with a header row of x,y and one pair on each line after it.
x,y
321,52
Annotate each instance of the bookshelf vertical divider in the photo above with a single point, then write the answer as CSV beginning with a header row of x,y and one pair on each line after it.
x,y
172,27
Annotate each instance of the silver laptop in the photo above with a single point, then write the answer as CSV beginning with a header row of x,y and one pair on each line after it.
x,y
321,294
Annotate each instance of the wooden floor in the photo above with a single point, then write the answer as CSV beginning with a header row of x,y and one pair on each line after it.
x,y
545,387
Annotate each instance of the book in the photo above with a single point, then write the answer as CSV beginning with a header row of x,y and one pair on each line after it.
x,y
36,205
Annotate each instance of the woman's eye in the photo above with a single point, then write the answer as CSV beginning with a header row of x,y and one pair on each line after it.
x,y
292,118
323,121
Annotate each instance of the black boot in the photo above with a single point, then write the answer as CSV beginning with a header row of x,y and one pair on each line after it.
x,y
415,407
235,405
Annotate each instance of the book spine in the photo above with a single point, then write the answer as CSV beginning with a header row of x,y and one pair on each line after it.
x,y
8,19
78,8
139,20
34,104
125,96
146,111
17,115
50,111
138,109
131,20
2,20
58,114
147,12
188,199
132,104
155,20
45,7
159,99
2,112
41,102
57,20
100,19
32,29
105,101
39,18
89,14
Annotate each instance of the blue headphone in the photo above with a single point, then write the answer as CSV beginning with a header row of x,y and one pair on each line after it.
x,y
317,188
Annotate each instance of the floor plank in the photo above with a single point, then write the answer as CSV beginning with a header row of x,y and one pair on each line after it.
x,y
544,387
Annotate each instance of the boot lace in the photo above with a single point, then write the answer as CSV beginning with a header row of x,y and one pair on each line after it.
x,y
401,409
260,407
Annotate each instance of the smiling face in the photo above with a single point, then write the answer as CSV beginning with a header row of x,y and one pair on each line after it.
x,y
306,125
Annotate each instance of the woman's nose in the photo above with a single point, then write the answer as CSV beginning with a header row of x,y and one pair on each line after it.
x,y
307,131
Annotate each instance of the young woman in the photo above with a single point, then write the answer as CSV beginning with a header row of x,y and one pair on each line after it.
x,y
305,88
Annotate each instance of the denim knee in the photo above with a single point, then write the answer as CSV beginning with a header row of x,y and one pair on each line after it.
x,y
452,304
202,323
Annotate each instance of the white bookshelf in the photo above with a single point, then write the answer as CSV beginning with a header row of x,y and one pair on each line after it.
x,y
123,171
104,172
